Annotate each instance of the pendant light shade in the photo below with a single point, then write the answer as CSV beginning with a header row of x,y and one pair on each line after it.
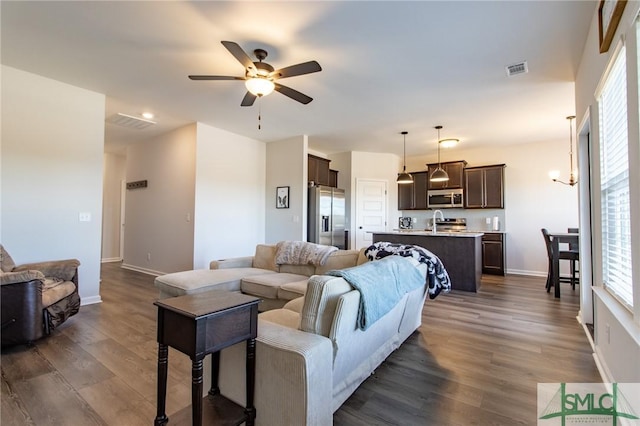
x,y
404,177
439,174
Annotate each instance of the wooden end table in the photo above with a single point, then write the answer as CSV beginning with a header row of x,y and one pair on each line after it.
x,y
202,324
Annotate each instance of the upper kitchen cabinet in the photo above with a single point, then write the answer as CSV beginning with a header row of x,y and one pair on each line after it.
x,y
413,196
455,170
484,187
318,170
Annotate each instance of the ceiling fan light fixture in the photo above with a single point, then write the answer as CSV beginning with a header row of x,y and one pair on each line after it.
x,y
259,86
449,143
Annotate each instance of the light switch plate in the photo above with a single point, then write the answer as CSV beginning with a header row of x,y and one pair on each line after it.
x,y
84,217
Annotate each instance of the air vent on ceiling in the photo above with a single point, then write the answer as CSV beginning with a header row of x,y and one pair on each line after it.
x,y
130,121
519,68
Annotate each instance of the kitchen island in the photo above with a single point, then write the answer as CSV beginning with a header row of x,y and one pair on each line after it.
x,y
460,252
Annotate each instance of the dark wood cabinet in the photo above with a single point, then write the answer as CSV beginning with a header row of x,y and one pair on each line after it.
x,y
318,170
493,254
333,178
413,196
484,187
455,170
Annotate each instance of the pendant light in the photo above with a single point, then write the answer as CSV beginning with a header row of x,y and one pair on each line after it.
x,y
404,177
573,179
439,174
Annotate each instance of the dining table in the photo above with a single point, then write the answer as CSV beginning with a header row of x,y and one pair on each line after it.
x,y
558,238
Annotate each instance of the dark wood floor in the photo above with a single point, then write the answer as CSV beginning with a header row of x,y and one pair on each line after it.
x,y
476,360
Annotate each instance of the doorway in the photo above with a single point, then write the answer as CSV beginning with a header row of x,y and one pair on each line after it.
x,y
371,210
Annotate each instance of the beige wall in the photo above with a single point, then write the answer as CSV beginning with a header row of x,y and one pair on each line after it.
x,y
159,218
52,143
286,166
229,195
113,178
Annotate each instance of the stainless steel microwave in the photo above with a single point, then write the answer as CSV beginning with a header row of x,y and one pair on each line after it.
x,y
445,198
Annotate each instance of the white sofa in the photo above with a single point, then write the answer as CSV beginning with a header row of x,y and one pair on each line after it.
x,y
256,275
310,356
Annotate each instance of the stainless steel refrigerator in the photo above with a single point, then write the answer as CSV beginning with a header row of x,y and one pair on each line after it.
x,y
326,221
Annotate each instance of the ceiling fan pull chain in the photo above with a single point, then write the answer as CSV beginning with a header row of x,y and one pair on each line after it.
x,y
259,112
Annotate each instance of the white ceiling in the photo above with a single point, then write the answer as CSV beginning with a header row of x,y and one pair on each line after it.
x,y
387,66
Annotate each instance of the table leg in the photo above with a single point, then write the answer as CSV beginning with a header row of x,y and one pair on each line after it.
x,y
196,392
250,377
163,359
215,373
556,266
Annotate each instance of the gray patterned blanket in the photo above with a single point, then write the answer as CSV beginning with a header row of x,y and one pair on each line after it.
x,y
302,253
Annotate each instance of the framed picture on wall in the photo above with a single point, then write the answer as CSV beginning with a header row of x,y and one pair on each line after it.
x,y
282,197
609,14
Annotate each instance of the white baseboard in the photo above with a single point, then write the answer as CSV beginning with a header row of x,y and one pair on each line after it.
x,y
524,272
143,270
90,300
111,259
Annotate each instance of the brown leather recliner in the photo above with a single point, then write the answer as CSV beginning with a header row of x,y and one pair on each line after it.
x,y
36,297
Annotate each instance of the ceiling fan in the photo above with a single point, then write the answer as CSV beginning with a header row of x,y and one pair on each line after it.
x,y
260,77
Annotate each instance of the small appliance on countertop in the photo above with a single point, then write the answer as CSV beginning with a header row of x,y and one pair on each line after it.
x,y
405,223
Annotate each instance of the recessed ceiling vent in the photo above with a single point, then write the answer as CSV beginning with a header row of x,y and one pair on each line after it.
x,y
519,68
130,121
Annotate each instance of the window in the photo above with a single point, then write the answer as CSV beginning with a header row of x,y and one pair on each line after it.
x,y
614,183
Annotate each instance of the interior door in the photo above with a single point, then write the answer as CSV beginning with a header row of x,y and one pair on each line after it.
x,y
371,210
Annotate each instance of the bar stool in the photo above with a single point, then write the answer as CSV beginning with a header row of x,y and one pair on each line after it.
x,y
570,255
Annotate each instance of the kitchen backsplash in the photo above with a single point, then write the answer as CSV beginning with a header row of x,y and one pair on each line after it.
x,y
477,220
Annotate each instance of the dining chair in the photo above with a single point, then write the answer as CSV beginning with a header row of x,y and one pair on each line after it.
x,y
574,255
562,255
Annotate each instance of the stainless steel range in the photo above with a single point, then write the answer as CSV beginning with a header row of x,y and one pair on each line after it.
x,y
450,224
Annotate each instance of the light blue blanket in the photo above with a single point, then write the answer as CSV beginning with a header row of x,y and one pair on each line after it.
x,y
381,283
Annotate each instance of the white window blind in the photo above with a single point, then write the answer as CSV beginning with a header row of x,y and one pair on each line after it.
x,y
614,183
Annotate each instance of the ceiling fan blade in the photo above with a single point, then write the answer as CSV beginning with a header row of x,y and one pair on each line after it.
x,y
293,94
240,55
294,70
248,99
215,77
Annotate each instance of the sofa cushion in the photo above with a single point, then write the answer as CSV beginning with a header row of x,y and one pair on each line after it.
x,y
293,290
265,257
199,280
6,262
55,290
267,285
340,259
320,302
295,305
306,270
285,317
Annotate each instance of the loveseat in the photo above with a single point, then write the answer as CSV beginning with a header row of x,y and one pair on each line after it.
x,y
311,355
260,275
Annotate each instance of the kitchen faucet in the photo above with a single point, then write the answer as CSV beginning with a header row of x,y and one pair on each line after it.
x,y
433,222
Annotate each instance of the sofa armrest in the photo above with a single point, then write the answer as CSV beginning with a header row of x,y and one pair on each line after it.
x,y
64,269
22,315
294,384
20,277
236,262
